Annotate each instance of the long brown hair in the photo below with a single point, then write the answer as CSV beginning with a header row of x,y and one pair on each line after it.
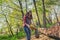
x,y
29,14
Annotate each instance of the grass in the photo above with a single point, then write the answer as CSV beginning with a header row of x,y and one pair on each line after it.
x,y
15,37
20,35
50,25
6,37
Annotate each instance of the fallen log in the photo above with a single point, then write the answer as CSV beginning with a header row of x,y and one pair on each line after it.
x,y
53,32
53,37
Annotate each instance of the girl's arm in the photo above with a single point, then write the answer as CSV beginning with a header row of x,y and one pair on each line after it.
x,y
27,25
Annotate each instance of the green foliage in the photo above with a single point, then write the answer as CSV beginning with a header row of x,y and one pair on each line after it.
x,y
49,25
0,2
6,37
14,16
21,34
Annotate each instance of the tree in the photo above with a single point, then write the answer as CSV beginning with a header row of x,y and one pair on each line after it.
x,y
44,14
26,5
9,26
36,12
50,18
56,16
21,8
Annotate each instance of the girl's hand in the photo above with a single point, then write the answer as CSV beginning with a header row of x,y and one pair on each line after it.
x,y
28,25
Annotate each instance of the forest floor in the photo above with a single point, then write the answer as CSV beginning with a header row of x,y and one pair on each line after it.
x,y
52,31
42,37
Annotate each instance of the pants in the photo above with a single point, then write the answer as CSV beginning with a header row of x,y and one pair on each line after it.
x,y
28,32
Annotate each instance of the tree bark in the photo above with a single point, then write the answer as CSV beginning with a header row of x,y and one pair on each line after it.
x,y
36,12
48,21
21,8
10,29
26,5
56,16
44,14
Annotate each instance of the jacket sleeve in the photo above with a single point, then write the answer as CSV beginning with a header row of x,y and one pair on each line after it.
x,y
24,20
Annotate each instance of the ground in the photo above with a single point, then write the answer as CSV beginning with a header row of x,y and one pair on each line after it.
x,y
42,37
53,31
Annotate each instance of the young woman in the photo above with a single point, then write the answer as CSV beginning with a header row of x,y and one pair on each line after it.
x,y
27,21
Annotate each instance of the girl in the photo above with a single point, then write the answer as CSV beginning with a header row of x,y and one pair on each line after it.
x,y
27,21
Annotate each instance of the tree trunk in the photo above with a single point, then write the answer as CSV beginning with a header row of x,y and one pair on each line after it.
x,y
56,16
44,14
36,12
9,26
18,29
21,8
10,29
26,5
50,18
48,21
